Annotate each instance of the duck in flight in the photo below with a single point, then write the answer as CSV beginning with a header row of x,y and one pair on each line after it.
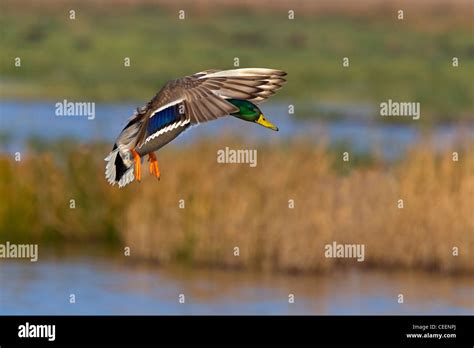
x,y
182,103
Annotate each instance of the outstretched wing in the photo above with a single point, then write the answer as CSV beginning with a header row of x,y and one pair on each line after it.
x,y
202,97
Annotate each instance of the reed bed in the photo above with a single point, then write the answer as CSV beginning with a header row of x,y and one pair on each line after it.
x,y
235,205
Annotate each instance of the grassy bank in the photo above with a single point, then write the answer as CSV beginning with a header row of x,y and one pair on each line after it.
x,y
235,205
409,60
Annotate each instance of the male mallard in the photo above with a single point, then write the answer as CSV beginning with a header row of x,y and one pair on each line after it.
x,y
187,101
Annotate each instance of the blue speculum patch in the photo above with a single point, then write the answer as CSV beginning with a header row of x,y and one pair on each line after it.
x,y
162,119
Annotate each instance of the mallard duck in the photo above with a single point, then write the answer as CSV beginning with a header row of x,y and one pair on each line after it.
x,y
182,103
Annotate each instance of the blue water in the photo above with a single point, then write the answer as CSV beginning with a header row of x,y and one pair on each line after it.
x,y
102,285
22,120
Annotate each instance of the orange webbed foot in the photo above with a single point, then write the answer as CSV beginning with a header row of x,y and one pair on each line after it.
x,y
154,169
137,164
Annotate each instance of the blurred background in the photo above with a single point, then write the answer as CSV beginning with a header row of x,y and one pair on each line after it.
x,y
49,164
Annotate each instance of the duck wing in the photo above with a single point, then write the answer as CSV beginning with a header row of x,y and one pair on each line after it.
x,y
201,97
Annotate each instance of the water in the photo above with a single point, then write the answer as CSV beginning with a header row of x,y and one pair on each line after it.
x,y
111,285
22,120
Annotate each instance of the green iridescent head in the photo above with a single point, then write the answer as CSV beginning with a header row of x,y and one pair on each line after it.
x,y
250,112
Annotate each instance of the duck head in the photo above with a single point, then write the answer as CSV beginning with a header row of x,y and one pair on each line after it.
x,y
251,113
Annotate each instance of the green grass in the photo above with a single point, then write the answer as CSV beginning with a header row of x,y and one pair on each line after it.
x,y
83,58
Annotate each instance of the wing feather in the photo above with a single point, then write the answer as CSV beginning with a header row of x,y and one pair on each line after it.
x,y
204,95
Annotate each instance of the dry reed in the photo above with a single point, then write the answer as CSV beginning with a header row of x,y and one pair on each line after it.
x,y
234,205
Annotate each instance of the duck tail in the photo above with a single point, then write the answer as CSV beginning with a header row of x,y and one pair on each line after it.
x,y
119,167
